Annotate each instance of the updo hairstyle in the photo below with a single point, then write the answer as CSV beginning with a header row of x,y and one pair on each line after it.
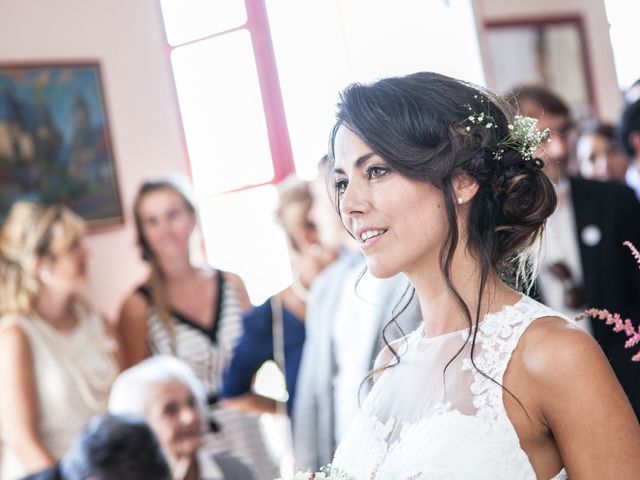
x,y
417,124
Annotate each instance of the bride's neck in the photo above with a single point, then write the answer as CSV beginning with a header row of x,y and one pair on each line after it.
x,y
441,311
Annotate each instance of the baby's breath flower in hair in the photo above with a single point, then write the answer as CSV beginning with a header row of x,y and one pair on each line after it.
x,y
523,135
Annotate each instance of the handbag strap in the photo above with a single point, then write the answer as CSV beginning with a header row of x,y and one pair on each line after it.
x,y
277,326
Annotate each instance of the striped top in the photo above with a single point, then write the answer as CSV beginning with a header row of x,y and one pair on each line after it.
x,y
208,352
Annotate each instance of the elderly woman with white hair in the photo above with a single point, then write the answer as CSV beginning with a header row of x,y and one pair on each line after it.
x,y
168,395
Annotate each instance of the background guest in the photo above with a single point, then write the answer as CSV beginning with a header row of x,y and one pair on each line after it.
x,y
598,154
256,345
58,357
275,330
190,311
166,392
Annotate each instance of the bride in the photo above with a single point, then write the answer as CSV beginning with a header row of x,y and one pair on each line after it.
x,y
435,180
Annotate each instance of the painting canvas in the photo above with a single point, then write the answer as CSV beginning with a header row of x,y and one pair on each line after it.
x,y
54,141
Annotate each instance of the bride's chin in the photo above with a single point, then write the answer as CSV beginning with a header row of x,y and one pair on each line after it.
x,y
381,271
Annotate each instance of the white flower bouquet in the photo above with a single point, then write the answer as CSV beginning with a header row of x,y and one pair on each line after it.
x,y
326,473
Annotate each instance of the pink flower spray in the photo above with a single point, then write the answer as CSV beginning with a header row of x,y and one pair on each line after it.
x,y
615,319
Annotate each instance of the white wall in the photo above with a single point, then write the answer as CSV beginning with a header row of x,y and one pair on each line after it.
x,y
125,36
323,46
603,73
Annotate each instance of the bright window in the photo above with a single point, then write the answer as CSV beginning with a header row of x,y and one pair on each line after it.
x,y
235,133
625,38
187,20
241,237
224,121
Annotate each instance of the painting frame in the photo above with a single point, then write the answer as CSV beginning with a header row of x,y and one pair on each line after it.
x,y
55,140
576,60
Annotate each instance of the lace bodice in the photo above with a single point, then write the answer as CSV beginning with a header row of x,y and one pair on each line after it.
x,y
420,423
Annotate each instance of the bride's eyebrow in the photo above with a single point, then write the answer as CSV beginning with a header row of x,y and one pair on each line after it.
x,y
358,163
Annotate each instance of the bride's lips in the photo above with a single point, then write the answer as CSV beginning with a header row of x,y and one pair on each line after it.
x,y
369,236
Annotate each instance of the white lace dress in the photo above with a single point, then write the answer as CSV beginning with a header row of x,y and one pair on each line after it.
x,y
417,423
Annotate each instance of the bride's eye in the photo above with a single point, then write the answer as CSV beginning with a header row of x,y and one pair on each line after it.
x,y
377,171
340,185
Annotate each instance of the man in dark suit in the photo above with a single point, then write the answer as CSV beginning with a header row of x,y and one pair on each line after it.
x,y
584,262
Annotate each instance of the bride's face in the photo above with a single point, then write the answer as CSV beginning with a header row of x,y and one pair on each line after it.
x,y
399,223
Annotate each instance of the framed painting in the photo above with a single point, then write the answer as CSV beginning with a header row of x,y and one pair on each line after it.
x,y
55,145
546,51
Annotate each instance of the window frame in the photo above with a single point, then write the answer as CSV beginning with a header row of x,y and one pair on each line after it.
x,y
257,24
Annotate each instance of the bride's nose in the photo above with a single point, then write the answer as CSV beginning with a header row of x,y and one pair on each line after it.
x,y
354,199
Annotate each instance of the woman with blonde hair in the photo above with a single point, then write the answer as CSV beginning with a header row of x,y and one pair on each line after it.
x,y
57,358
275,330
190,311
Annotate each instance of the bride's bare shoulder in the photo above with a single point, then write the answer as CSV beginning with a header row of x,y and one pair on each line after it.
x,y
579,399
553,351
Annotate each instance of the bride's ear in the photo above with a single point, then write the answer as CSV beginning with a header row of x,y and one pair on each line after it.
x,y
464,188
